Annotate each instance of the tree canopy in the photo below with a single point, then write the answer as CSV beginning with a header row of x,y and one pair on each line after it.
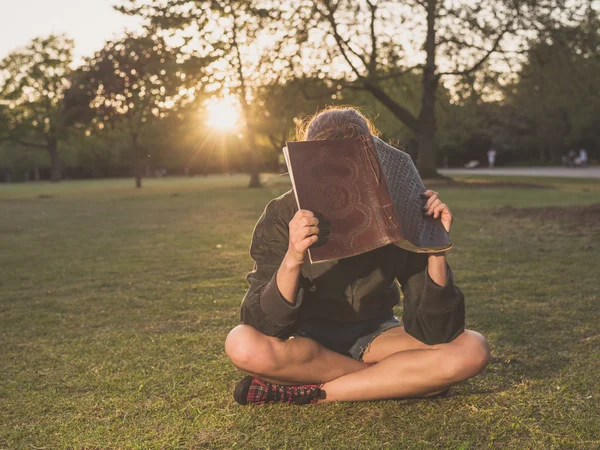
x,y
33,81
445,79
132,83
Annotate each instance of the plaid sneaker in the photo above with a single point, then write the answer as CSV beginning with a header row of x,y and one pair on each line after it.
x,y
253,391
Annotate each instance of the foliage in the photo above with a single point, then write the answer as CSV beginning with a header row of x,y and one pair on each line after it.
x,y
232,30
131,84
33,81
352,45
19,162
446,80
554,104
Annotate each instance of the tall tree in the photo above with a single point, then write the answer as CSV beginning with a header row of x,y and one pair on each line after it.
x,y
131,84
280,107
230,29
369,41
554,105
33,81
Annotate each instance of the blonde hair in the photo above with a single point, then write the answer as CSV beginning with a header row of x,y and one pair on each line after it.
x,y
335,122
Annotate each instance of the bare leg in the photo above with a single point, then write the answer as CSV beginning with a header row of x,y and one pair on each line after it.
x,y
415,371
294,361
406,367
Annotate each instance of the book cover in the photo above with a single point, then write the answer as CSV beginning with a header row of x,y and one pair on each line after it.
x,y
365,193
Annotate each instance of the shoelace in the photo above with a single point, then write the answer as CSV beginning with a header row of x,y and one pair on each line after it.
x,y
287,393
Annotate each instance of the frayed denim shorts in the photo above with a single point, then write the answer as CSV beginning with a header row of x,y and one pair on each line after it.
x,y
352,339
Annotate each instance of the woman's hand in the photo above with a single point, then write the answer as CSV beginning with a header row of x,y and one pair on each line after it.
x,y
304,232
435,208
436,263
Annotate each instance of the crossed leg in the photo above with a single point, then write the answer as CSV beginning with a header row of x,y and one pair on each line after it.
x,y
405,366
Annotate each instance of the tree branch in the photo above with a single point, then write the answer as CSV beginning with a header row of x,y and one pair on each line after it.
x,y
239,67
398,110
373,59
397,74
459,42
479,63
342,45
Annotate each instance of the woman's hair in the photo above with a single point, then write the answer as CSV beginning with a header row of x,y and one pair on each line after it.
x,y
335,122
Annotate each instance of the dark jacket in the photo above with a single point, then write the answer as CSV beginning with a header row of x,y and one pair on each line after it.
x,y
354,289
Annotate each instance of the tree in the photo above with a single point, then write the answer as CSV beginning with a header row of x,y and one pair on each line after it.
x,y
33,81
359,45
130,85
229,29
553,106
21,162
280,107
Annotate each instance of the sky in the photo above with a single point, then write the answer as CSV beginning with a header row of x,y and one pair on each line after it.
x,y
88,22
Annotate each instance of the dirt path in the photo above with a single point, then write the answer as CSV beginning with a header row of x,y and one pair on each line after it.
x,y
566,172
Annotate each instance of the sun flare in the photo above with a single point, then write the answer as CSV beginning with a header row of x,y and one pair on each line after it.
x,y
223,114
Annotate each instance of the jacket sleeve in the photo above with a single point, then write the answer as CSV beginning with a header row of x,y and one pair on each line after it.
x,y
263,306
433,314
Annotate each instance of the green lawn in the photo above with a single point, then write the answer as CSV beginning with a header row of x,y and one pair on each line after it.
x,y
115,303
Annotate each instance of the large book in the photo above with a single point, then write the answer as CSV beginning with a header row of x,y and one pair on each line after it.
x,y
366,194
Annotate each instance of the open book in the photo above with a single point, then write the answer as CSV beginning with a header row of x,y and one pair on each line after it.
x,y
366,194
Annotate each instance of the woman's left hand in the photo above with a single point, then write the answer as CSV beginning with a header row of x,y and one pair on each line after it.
x,y
435,208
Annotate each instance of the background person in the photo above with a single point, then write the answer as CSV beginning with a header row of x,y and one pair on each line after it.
x,y
582,159
491,154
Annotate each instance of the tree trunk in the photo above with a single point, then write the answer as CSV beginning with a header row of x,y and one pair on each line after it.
x,y
55,163
254,170
36,172
423,126
426,161
427,126
138,169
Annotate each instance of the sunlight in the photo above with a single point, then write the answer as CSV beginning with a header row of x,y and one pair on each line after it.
x,y
223,114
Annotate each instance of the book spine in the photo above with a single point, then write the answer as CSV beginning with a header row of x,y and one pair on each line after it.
x,y
371,156
387,222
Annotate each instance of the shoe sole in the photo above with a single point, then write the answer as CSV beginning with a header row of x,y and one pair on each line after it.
x,y
240,393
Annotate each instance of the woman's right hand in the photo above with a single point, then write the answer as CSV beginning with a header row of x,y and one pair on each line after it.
x,y
304,232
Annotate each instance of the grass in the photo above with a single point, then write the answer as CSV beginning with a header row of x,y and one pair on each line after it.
x,y
115,303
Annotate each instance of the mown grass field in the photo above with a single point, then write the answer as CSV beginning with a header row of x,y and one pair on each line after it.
x,y
115,303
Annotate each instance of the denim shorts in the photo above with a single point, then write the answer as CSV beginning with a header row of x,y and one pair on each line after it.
x,y
351,339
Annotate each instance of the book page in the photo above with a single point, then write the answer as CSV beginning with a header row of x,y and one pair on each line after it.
x,y
424,234
286,155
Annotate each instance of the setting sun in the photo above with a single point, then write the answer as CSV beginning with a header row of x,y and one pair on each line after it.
x,y
223,114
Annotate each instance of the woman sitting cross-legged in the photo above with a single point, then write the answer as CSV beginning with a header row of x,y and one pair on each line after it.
x,y
327,332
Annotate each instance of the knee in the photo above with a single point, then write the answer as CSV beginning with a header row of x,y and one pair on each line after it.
x,y
478,353
250,350
466,357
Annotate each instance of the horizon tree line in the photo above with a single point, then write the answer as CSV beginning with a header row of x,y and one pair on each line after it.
x,y
509,72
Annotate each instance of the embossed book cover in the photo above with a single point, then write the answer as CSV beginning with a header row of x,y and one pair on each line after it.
x,y
366,193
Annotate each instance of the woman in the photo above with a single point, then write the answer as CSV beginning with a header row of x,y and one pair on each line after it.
x,y
326,332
